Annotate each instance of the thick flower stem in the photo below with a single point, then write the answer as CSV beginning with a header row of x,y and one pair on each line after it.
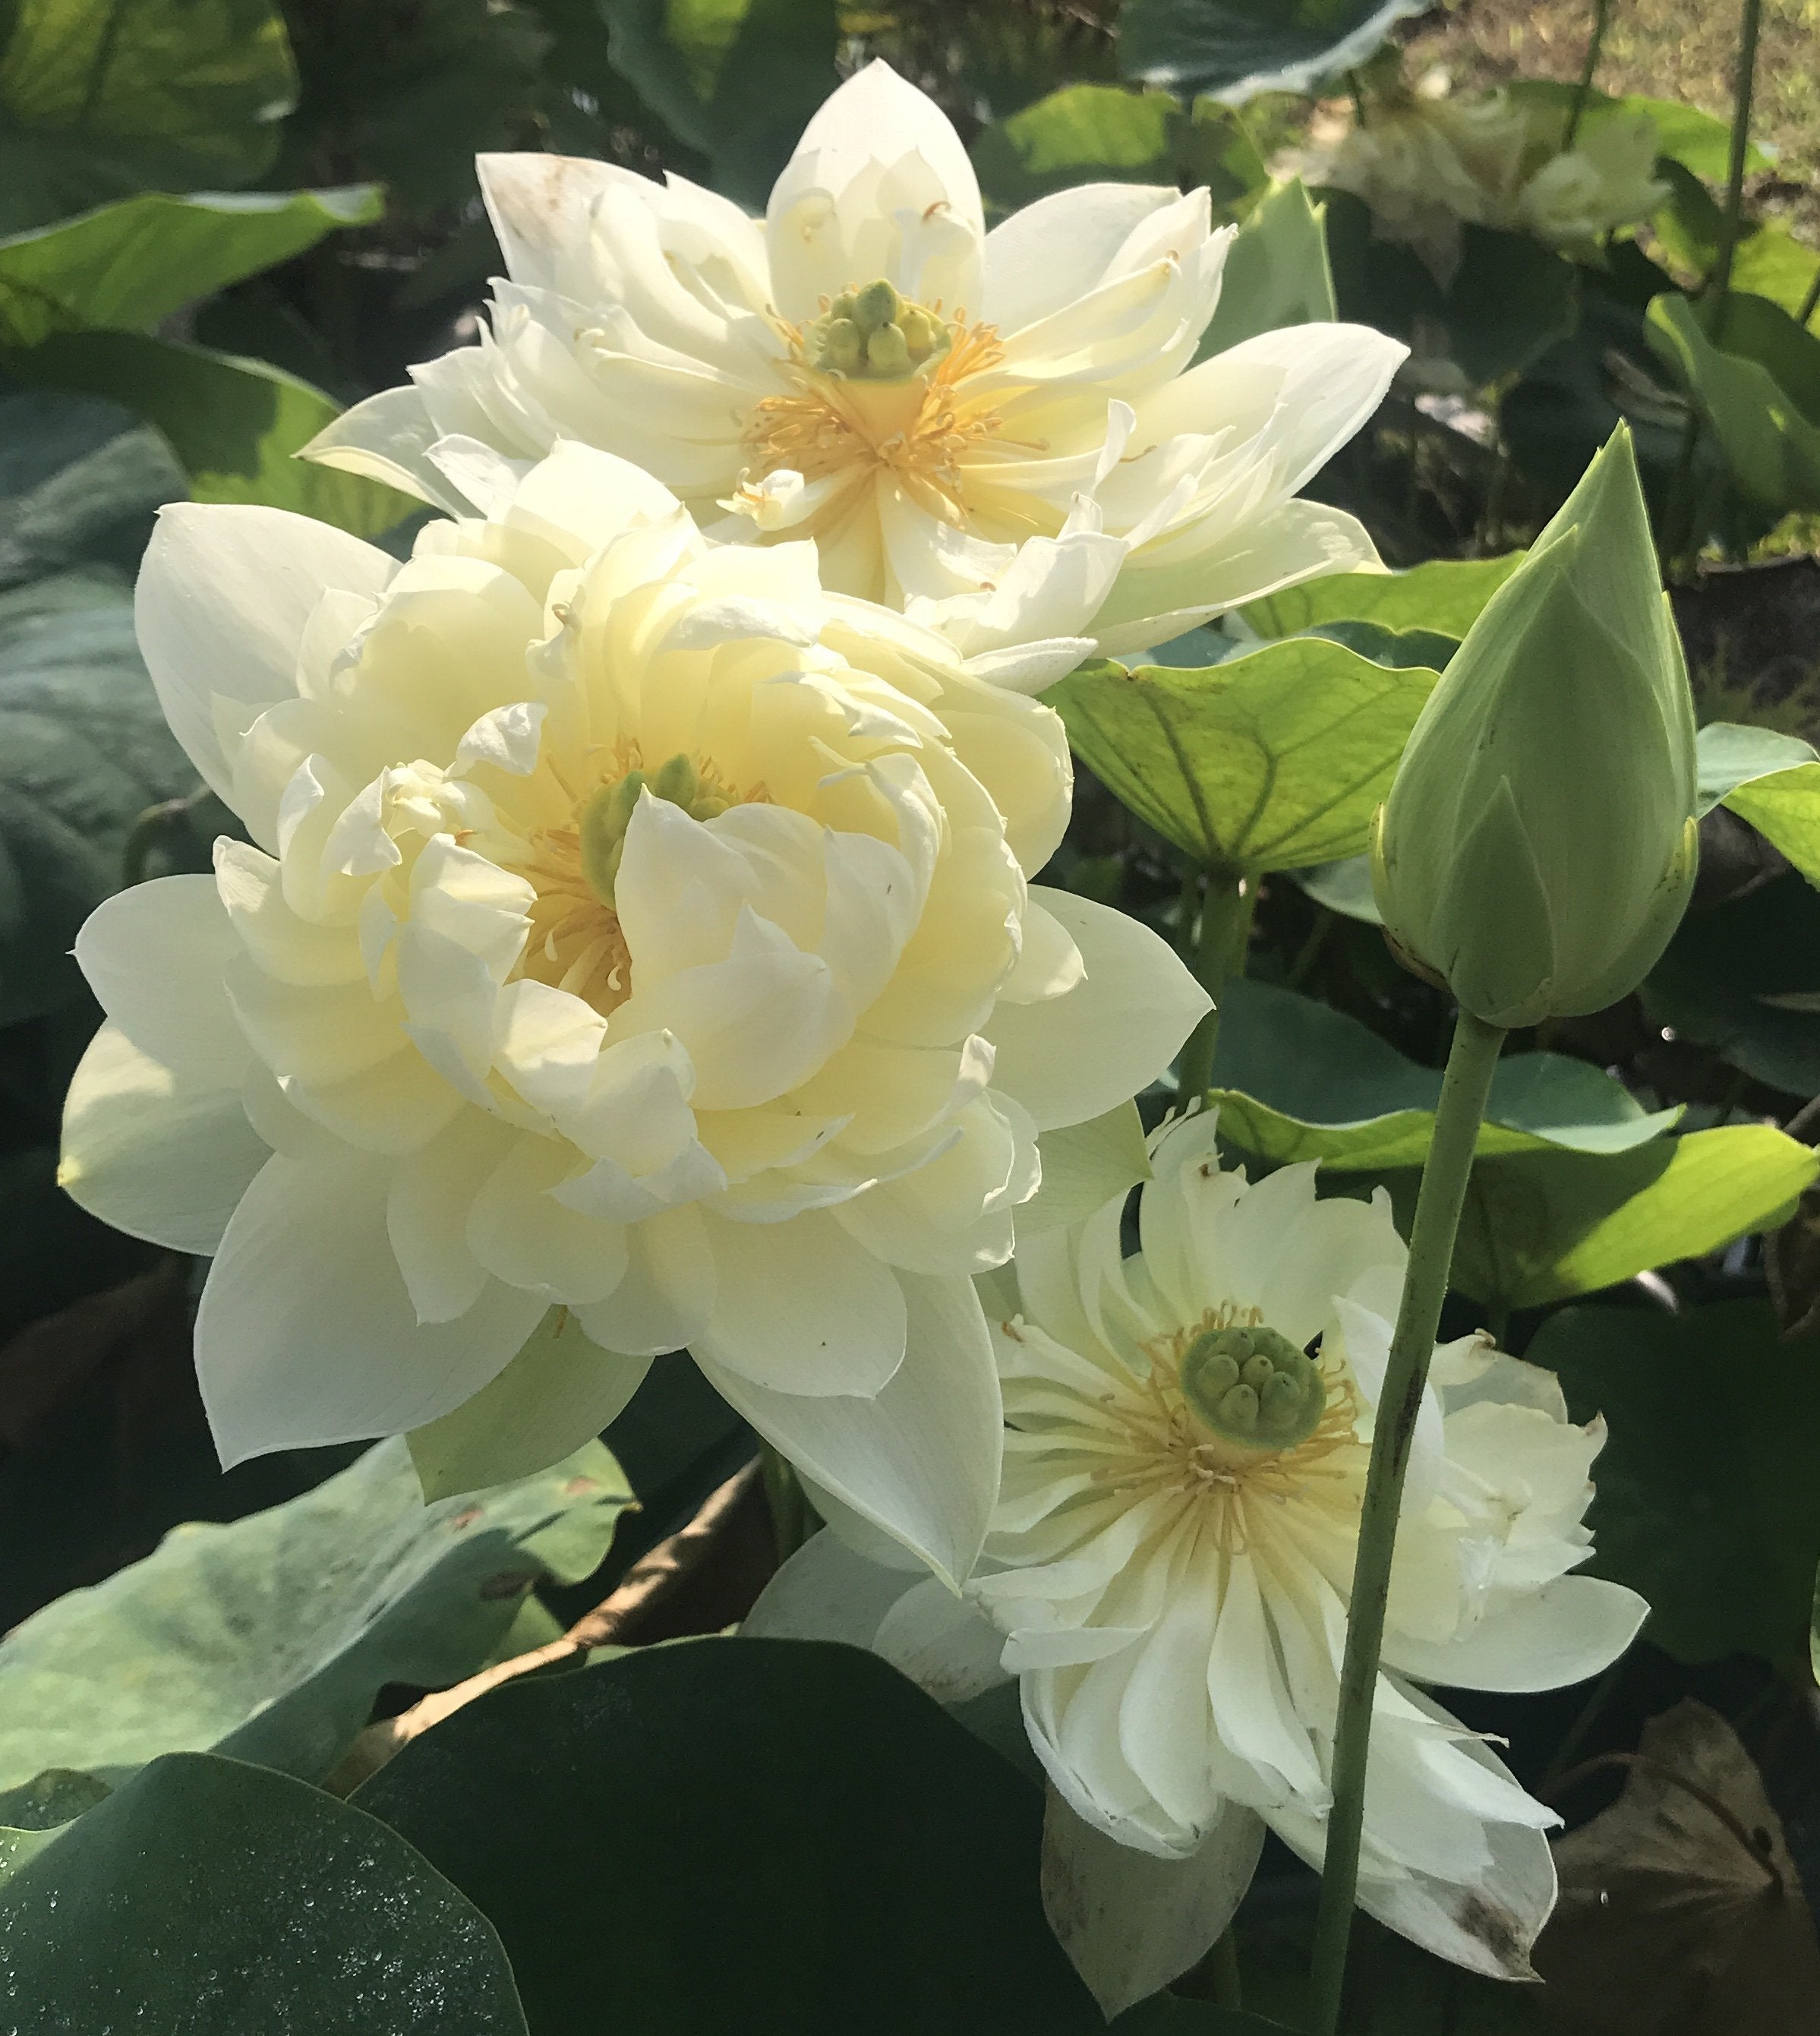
x,y
1596,43
1681,542
1463,1090
1226,906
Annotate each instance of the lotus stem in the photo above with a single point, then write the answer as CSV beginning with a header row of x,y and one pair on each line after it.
x,y
1719,284
1226,904
1463,1090
1583,91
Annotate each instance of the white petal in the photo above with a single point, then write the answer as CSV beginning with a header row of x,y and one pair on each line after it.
x,y
826,1591
162,1152
1149,604
223,597
667,1297
1543,1639
306,1334
800,1308
1322,381
154,957
1078,1055
1052,252
944,1643
540,206
1130,1921
387,438
922,1460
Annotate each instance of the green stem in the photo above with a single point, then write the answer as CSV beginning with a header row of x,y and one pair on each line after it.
x,y
1809,302
1222,1972
1682,542
1601,14
792,1522
1226,906
1463,1089
1719,284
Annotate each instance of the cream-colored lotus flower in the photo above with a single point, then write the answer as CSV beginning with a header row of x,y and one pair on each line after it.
x,y
868,367
1428,162
1171,1561
630,928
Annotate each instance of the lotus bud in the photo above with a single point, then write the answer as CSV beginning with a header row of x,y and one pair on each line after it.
x,y
1538,845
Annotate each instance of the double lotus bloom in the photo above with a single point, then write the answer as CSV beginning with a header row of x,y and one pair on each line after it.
x,y
635,941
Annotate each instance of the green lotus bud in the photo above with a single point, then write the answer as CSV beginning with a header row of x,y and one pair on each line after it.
x,y
1254,1387
1538,845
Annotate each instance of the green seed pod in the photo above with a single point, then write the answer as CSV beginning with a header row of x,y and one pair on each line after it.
x,y
1253,1387
875,306
840,346
1538,845
874,334
887,354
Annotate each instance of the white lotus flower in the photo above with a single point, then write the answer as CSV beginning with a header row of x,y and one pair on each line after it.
x,y
868,366
1171,1562
1428,161
631,928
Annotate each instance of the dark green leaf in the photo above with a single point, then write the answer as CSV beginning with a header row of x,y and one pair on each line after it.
x,y
1297,1080
1238,48
129,265
100,98
81,480
209,1898
1269,761
743,1833
735,79
1727,974
84,751
268,1638
1707,1500
236,425
1510,300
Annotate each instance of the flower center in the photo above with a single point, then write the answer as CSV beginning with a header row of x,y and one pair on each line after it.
x,y
1253,1387
575,943
875,335
1211,1423
879,386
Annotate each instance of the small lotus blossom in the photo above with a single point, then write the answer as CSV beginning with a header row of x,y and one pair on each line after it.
x,y
869,367
627,927
1428,161
1170,1565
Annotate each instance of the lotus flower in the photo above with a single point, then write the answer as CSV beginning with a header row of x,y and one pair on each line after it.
x,y
868,367
627,927
1170,1565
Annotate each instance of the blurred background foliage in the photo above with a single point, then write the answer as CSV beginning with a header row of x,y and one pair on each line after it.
x,y
221,221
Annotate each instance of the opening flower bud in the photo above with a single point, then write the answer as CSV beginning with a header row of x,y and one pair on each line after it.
x,y
1253,1387
1538,845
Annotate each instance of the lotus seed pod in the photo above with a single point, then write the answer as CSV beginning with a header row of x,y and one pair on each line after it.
x,y
876,306
1538,845
840,346
874,334
1253,1387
